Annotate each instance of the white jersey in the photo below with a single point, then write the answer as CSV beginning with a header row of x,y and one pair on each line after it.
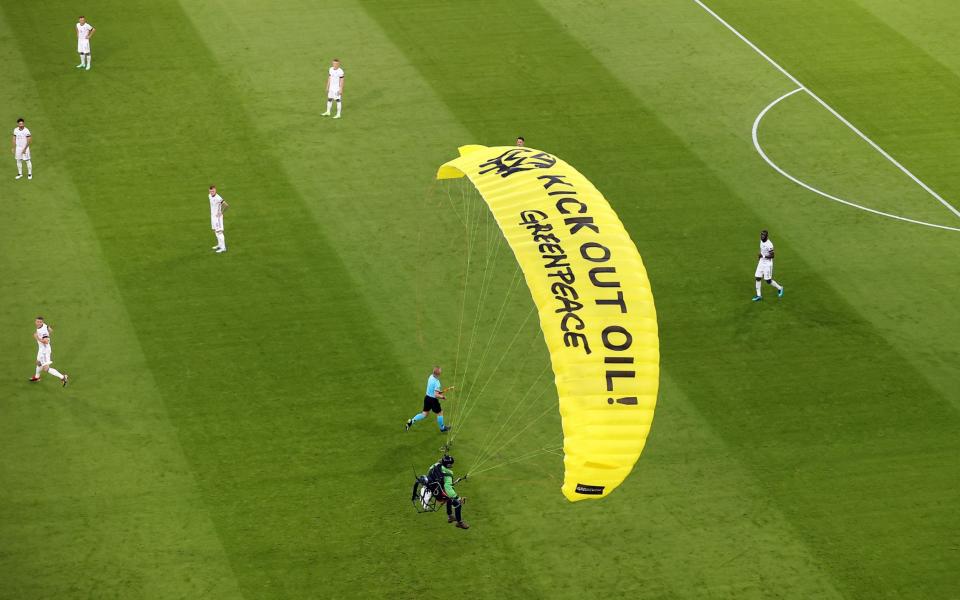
x,y
43,332
334,78
215,205
766,250
83,39
765,264
216,212
22,136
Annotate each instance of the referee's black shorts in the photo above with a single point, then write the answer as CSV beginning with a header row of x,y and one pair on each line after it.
x,y
431,404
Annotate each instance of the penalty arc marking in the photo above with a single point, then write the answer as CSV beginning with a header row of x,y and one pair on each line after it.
x,y
863,136
759,148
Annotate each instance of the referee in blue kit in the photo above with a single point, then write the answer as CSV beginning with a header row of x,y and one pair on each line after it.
x,y
431,401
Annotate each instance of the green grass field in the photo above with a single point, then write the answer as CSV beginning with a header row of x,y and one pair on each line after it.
x,y
234,425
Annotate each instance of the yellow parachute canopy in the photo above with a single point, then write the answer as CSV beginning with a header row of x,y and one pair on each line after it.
x,y
594,301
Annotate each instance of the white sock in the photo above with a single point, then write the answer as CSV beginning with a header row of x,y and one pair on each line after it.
x,y
81,60
19,167
55,373
88,61
221,241
774,283
758,288
30,167
338,108
38,373
329,104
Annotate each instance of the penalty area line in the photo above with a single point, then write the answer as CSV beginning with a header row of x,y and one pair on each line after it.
x,y
759,149
850,125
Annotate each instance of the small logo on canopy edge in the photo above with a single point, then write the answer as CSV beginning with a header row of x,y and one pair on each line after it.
x,y
591,490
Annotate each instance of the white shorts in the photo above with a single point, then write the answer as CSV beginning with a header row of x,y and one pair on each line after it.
x,y
23,153
333,95
43,357
83,46
216,223
764,269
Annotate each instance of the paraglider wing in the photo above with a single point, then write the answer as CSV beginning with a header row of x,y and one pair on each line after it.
x,y
594,302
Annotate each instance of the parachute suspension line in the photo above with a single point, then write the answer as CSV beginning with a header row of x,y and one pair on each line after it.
x,y
517,459
469,410
492,251
491,432
489,452
466,401
482,221
500,362
530,423
499,321
468,239
463,299
492,437
453,205
472,234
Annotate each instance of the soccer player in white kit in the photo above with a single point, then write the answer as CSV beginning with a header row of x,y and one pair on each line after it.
x,y
45,354
21,149
765,266
217,206
85,31
334,87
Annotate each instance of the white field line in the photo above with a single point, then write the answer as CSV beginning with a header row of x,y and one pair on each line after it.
x,y
756,144
863,136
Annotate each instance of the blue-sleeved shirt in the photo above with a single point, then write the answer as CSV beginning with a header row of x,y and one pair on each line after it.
x,y
433,386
